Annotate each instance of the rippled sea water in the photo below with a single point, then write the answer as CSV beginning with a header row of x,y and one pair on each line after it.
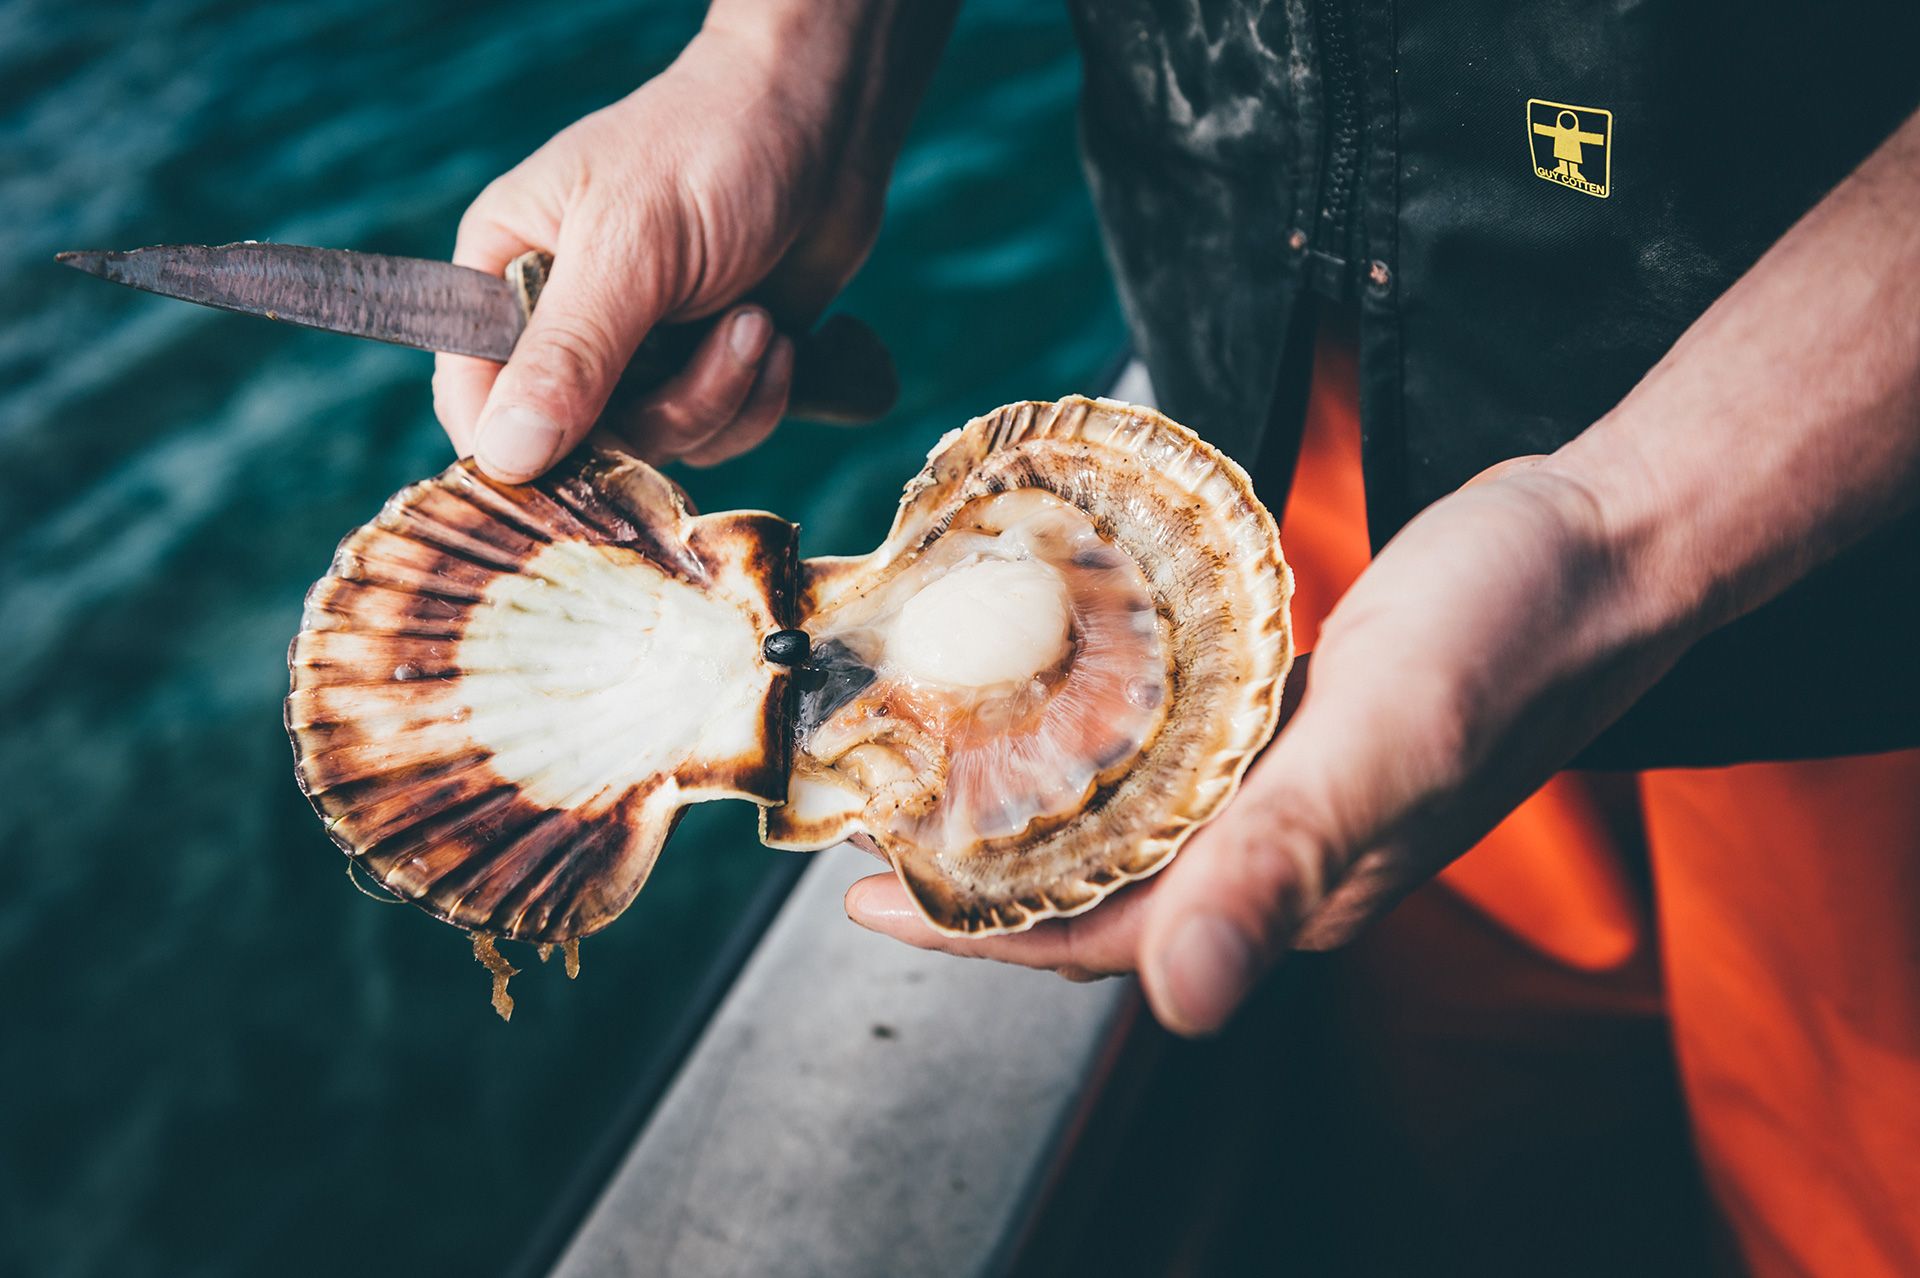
x,y
215,1056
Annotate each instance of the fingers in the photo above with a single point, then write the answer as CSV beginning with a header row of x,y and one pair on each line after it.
x,y
460,387
1219,923
1224,911
703,397
726,401
758,416
1101,942
727,398
591,316
1304,852
1201,934
505,220
1372,887
487,241
597,305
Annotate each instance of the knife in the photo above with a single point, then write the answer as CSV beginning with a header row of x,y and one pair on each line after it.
x,y
841,370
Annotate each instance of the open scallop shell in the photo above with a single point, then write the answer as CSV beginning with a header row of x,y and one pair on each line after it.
x,y
503,696
1163,745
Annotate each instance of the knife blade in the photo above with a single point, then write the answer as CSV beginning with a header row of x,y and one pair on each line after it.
x,y
410,301
842,371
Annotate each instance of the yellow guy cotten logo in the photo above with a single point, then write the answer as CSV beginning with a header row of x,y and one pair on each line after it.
x,y
1572,145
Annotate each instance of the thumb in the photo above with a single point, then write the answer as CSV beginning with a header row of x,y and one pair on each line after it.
x,y
591,317
1230,905
1227,907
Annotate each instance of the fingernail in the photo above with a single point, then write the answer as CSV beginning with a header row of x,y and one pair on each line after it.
x,y
516,442
748,337
780,359
875,905
1204,972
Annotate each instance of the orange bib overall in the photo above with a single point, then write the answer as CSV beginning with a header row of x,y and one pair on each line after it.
x,y
1779,933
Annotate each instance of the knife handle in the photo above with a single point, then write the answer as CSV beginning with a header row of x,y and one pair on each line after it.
x,y
842,371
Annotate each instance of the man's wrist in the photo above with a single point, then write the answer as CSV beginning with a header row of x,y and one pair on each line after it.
x,y
1651,586
816,41
1779,430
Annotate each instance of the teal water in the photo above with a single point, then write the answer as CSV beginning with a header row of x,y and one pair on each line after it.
x,y
215,1056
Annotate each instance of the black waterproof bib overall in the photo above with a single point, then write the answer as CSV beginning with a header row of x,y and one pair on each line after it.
x,y
1527,202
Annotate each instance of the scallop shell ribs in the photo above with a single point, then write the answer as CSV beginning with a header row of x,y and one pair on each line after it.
x,y
502,697
1054,669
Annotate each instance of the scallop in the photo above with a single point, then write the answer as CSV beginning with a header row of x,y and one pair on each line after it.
x,y
1053,670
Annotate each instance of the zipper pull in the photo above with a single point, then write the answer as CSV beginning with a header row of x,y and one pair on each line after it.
x,y
1329,275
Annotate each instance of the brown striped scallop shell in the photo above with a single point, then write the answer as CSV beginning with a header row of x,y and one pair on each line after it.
x,y
503,696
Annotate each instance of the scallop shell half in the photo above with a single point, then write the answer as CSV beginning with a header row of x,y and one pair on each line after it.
x,y
503,696
1054,669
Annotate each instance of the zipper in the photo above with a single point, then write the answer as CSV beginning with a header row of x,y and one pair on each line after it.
x,y
1332,251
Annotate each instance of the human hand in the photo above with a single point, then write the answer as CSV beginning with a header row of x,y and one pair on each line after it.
x,y
730,175
1497,634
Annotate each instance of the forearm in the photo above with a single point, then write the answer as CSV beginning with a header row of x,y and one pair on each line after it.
x,y
848,76
858,66
1785,424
